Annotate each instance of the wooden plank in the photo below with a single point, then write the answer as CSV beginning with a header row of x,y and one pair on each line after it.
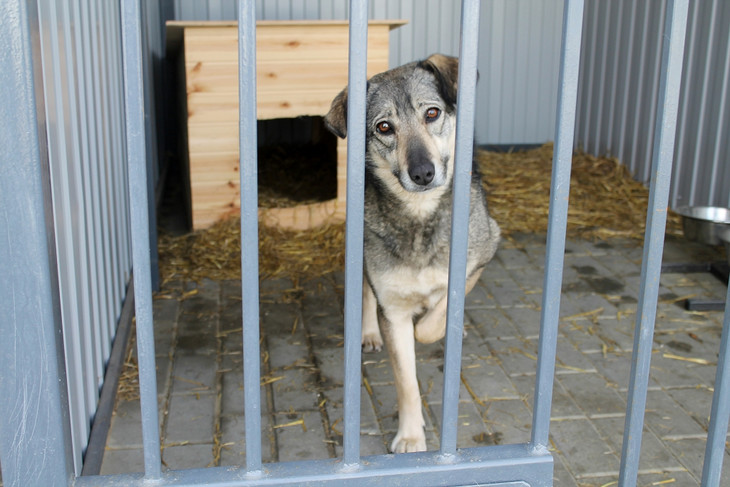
x,y
215,167
213,137
206,108
208,195
204,76
278,44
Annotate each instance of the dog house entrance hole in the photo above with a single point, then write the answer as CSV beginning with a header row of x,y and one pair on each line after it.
x,y
297,162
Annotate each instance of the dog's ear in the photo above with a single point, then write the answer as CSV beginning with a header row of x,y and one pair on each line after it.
x,y
446,71
336,118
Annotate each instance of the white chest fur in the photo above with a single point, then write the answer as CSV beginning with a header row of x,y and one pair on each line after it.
x,y
410,290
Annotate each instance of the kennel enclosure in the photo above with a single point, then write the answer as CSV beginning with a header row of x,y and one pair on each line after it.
x,y
41,441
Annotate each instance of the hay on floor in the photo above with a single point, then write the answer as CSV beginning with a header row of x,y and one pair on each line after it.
x,y
605,202
215,253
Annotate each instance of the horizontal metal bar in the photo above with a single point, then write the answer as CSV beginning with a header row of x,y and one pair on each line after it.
x,y
504,465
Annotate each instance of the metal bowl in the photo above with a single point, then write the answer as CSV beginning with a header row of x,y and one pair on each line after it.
x,y
706,224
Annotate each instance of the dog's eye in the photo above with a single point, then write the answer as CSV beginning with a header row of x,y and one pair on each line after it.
x,y
384,128
432,114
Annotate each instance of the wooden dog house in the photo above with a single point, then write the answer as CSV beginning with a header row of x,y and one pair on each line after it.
x,y
301,66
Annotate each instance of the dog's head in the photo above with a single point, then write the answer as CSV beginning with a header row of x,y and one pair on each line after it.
x,y
409,123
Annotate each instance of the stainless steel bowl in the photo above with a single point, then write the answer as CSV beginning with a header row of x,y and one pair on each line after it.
x,y
706,224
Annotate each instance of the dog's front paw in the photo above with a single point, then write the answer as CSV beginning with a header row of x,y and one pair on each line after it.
x,y
372,342
408,444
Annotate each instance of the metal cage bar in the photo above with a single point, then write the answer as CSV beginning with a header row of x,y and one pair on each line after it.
x,y
139,223
466,96
249,232
663,151
720,413
558,220
35,436
356,92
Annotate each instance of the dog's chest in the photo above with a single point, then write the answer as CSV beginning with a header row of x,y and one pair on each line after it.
x,y
395,239
411,289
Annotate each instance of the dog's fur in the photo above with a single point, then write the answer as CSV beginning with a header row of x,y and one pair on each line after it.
x,y
409,161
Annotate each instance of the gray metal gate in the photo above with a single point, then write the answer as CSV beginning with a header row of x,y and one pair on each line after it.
x,y
34,434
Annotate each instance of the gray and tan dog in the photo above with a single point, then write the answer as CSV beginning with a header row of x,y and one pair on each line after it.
x,y
409,161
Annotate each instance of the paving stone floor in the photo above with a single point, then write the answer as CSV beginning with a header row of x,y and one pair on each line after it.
x,y
198,345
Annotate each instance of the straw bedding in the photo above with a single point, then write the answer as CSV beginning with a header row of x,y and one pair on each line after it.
x,y
605,203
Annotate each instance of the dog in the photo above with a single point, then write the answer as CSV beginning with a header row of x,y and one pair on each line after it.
x,y
409,165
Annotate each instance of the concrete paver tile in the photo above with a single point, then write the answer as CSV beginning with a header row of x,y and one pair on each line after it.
x,y
126,426
691,453
654,455
588,457
122,461
593,394
188,456
233,440
193,374
190,419
667,419
300,436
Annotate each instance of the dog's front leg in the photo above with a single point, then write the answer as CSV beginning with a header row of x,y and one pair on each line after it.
x,y
432,325
397,330
371,338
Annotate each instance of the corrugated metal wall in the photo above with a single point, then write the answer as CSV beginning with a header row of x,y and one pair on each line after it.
x,y
702,174
80,45
81,73
518,57
619,85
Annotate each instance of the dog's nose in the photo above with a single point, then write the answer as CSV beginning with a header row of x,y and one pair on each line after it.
x,y
421,173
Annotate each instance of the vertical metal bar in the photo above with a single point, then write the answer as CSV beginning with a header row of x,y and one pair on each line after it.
x,y
357,86
558,219
35,435
715,448
466,96
665,131
139,215
249,231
